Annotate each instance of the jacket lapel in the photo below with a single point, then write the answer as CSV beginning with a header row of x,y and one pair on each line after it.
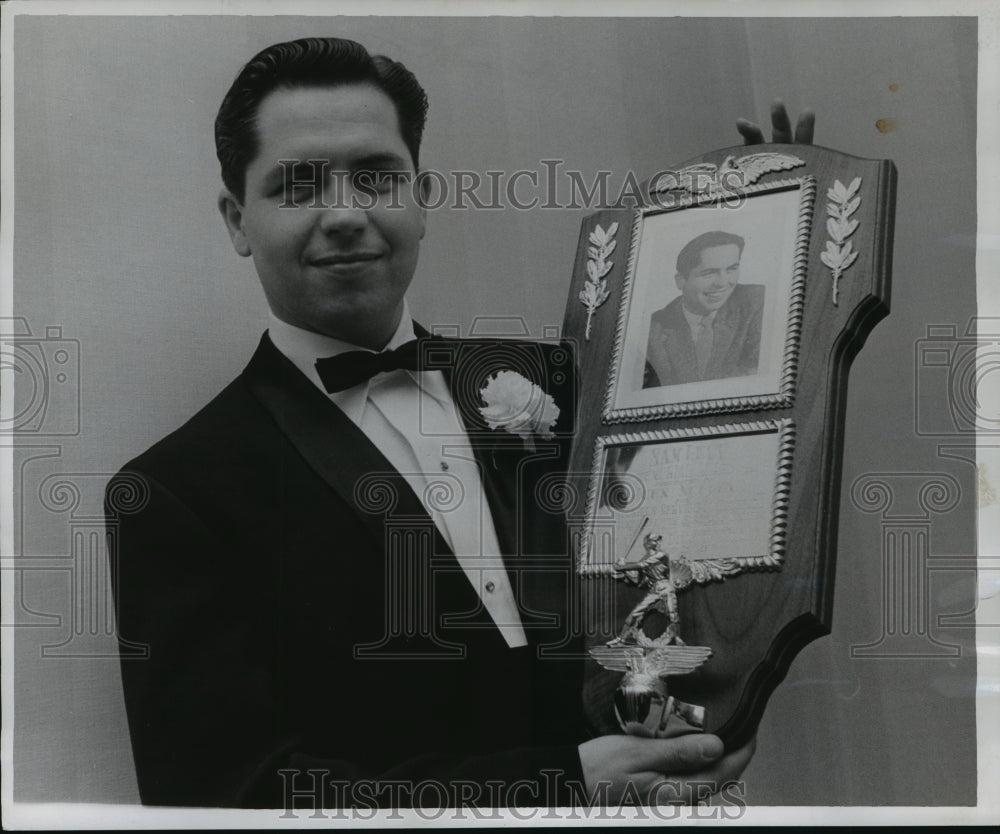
x,y
343,456
333,446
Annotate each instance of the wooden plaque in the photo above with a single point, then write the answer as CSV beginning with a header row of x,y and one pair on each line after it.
x,y
727,444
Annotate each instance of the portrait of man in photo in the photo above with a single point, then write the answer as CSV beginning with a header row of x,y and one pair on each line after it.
x,y
712,330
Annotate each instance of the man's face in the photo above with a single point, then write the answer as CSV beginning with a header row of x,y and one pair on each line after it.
x,y
340,271
708,286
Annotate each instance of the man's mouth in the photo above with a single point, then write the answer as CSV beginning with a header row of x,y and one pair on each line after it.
x,y
345,258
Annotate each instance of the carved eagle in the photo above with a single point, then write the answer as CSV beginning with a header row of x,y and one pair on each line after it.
x,y
733,174
666,660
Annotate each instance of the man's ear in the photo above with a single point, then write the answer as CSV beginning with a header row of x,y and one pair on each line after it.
x,y
232,212
680,281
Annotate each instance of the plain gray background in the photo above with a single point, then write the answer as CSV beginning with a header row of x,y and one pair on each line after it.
x,y
118,243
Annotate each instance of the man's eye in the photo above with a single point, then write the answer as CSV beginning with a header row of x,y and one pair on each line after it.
x,y
377,180
300,190
300,185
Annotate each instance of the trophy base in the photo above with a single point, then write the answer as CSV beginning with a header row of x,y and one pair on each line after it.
x,y
644,708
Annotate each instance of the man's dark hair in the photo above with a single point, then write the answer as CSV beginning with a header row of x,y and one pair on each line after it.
x,y
309,62
690,255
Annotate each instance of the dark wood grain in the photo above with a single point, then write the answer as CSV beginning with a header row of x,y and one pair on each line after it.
x,y
755,623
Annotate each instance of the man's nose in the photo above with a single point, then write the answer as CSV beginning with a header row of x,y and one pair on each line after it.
x,y
344,218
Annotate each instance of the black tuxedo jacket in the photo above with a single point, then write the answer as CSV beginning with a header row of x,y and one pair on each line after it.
x,y
302,611
670,356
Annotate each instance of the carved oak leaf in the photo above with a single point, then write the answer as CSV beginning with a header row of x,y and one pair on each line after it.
x,y
598,269
595,290
831,255
839,193
839,230
839,253
594,294
600,237
838,258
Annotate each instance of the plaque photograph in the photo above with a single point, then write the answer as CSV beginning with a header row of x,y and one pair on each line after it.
x,y
707,320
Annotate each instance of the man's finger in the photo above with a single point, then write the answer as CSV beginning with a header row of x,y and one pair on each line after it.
x,y
780,123
804,128
726,769
751,132
681,754
693,787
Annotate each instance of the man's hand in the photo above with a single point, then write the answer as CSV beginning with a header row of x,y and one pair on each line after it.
x,y
661,771
781,126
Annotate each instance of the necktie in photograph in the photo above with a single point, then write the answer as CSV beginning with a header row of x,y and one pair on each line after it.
x,y
703,343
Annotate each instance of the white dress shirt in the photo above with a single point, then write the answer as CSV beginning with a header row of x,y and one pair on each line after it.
x,y
411,418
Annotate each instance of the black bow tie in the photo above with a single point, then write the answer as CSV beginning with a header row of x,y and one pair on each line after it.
x,y
345,370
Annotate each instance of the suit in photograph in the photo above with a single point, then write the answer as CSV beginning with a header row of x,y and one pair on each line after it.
x,y
670,353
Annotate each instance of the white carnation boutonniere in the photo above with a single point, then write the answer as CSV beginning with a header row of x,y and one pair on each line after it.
x,y
515,404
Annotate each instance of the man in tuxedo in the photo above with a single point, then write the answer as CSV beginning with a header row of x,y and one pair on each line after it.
x,y
351,586
712,329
